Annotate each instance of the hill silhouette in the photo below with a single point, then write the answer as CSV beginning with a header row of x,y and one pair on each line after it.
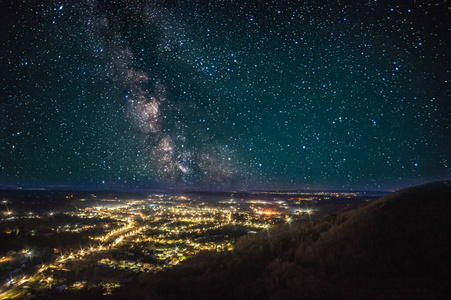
x,y
396,247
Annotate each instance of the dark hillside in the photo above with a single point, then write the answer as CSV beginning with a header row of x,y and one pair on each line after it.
x,y
396,247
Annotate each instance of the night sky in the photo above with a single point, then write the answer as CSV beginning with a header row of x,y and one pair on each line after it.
x,y
225,94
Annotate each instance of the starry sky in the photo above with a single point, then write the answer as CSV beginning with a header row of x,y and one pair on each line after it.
x,y
225,94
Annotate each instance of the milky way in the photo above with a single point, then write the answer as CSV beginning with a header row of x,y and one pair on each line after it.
x,y
225,94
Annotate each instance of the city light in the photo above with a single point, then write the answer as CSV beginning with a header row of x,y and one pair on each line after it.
x,y
150,235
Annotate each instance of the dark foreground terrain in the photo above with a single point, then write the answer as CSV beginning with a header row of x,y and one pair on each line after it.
x,y
396,247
